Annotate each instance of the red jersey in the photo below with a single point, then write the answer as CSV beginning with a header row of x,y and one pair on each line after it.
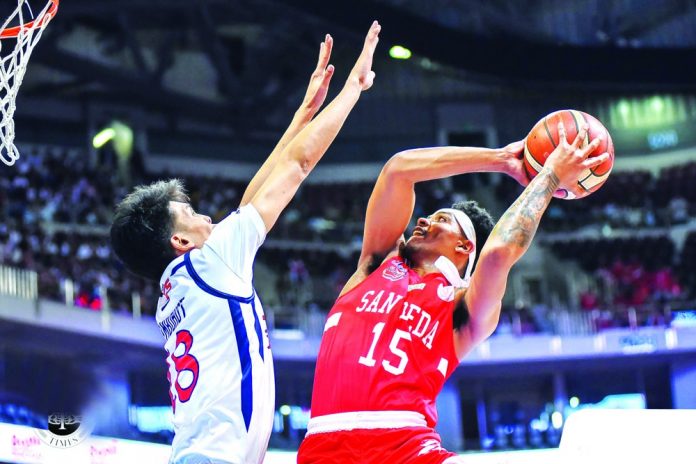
x,y
387,345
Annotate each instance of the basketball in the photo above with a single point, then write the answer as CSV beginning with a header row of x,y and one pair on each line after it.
x,y
543,139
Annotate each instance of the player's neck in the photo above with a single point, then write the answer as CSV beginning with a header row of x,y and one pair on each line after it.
x,y
424,266
419,260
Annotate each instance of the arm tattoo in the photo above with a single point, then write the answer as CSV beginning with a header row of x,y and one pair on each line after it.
x,y
519,223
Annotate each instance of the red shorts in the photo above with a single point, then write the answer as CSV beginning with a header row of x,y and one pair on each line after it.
x,y
413,445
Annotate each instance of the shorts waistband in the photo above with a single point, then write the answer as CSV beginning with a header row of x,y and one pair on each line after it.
x,y
365,420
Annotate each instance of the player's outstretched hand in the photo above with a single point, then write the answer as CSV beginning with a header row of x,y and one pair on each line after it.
x,y
515,165
320,79
568,161
514,153
362,72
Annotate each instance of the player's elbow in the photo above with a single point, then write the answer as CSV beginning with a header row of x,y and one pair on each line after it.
x,y
304,167
488,327
307,149
301,162
392,167
498,255
397,167
300,171
291,172
482,327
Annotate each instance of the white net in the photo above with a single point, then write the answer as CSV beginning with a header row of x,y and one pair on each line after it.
x,y
22,30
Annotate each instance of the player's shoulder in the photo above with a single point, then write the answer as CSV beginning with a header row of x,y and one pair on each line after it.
x,y
370,265
243,225
209,270
246,214
392,260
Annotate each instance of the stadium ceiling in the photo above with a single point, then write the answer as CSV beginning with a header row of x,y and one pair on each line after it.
x,y
234,60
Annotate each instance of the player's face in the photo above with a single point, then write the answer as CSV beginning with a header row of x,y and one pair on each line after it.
x,y
438,235
191,228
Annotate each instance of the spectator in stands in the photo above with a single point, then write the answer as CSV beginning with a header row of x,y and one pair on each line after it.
x,y
679,210
589,301
61,186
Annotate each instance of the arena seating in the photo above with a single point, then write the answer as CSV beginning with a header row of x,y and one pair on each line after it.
x,y
57,186
13,413
687,267
631,199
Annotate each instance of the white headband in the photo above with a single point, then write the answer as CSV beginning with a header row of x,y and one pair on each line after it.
x,y
470,233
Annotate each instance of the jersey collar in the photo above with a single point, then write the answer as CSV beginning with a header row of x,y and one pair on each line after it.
x,y
170,269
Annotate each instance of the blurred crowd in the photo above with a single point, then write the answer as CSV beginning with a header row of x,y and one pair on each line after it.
x,y
57,186
56,207
629,199
632,271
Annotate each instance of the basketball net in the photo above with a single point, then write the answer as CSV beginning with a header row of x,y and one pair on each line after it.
x,y
13,65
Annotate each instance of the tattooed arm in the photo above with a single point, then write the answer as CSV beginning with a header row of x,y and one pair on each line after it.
x,y
513,234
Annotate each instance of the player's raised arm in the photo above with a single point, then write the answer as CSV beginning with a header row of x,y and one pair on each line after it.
x,y
391,204
305,150
513,234
312,102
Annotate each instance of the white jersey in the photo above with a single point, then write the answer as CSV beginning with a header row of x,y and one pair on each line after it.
x,y
218,351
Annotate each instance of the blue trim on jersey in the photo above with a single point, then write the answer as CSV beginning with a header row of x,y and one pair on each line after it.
x,y
208,289
177,267
257,327
240,333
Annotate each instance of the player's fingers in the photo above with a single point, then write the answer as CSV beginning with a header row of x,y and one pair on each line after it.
x,y
591,147
326,56
595,161
319,67
561,133
582,134
372,37
327,75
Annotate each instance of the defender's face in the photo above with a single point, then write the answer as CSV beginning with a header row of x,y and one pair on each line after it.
x,y
190,226
438,234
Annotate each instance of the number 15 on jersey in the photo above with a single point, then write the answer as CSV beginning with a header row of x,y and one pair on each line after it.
x,y
399,335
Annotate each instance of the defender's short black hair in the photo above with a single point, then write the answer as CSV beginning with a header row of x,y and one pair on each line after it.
x,y
142,227
482,220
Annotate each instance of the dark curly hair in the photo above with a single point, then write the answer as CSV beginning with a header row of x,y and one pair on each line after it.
x,y
482,220
142,227
483,225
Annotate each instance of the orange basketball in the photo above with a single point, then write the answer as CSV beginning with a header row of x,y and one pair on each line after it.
x,y
543,139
